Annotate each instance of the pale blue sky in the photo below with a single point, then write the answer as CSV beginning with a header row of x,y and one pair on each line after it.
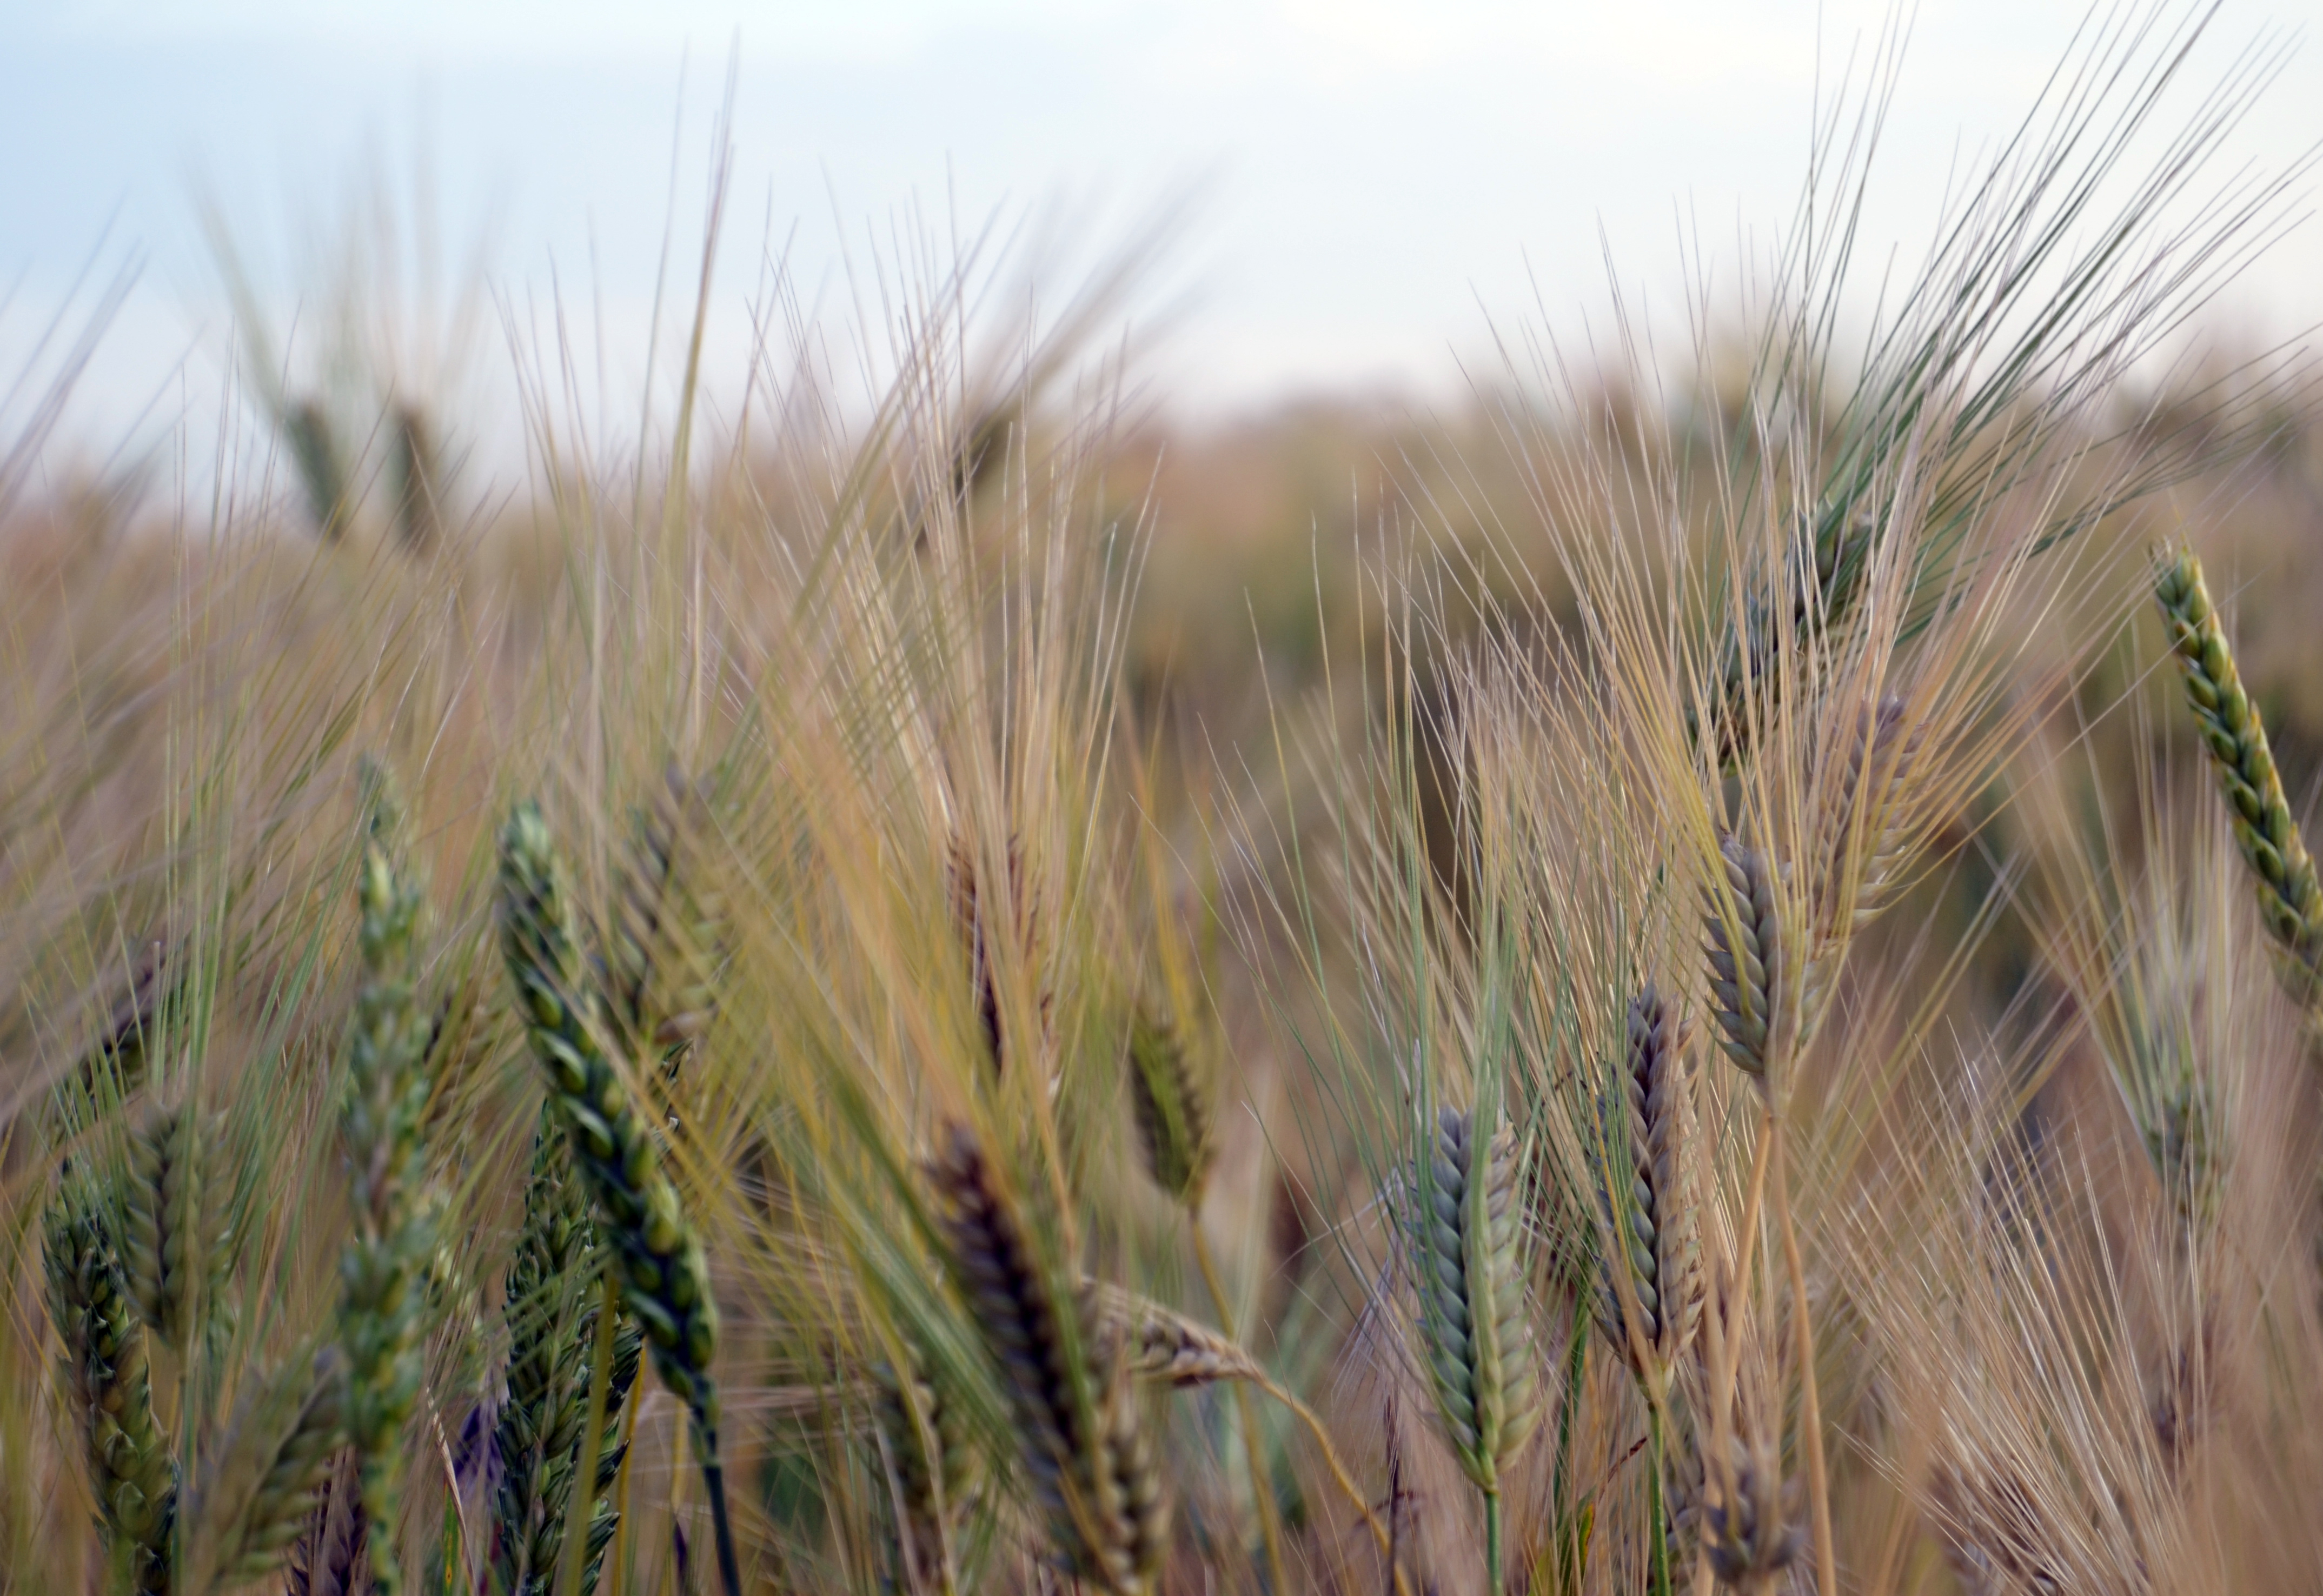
x,y
1376,175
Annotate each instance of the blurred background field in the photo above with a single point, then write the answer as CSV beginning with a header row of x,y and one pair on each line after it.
x,y
1049,555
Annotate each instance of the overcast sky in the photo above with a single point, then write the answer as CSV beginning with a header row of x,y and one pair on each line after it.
x,y
1372,177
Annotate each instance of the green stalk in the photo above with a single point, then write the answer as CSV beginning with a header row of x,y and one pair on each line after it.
x,y
1576,1375
1262,1476
601,1379
1492,1543
1810,1402
1657,1518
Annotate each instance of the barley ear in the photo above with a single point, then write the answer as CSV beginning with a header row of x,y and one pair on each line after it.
x,y
1171,1109
1080,1434
668,928
924,1440
275,1460
162,1205
383,1265
327,1558
665,1278
1461,1231
107,1390
2289,900
1650,1258
551,1315
1746,956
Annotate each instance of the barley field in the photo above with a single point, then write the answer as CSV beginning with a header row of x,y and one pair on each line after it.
x,y
1699,975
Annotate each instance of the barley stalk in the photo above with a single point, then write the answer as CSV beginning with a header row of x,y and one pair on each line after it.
x,y
2291,903
107,1389
1080,1438
665,1278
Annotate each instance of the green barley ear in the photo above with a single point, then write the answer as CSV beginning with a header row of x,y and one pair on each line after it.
x,y
107,1390
268,1471
327,1558
1080,1434
382,1267
665,1278
1651,1252
2289,900
1463,1231
322,471
551,1328
1171,1108
162,1213
1745,955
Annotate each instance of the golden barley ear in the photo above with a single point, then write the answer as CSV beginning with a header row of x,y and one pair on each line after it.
x,y
981,911
106,1388
666,944
1462,1232
270,1468
1865,818
1171,1108
1081,1436
2283,874
1997,1535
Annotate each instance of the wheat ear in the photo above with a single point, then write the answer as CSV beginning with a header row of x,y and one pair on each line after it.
x,y
552,1323
1462,1230
2289,900
1081,1436
665,1278
274,1461
384,1265
108,1390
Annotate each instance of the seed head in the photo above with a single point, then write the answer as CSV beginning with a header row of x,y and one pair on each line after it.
x,y
1171,1108
1645,1199
1745,955
1081,1437
2283,874
1461,1231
